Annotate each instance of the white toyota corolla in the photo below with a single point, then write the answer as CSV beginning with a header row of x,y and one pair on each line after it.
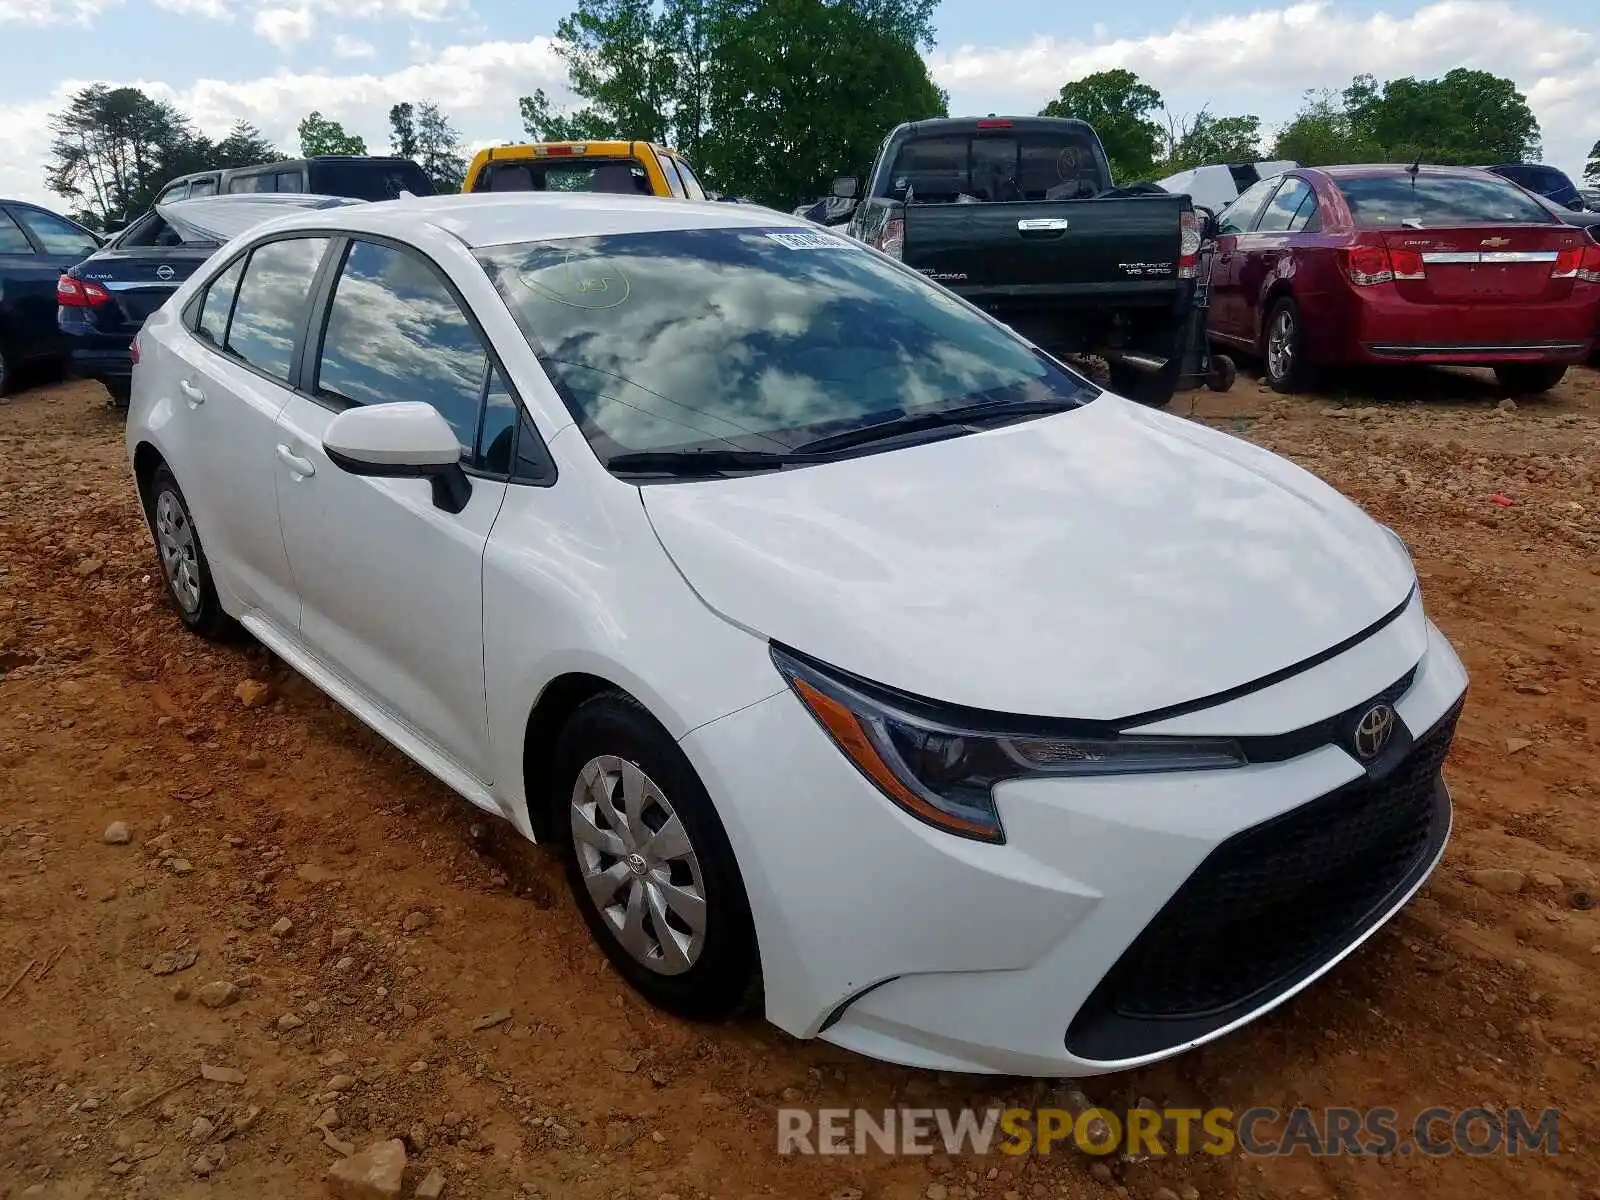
x,y
861,661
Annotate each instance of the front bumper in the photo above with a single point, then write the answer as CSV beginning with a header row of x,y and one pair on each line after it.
x,y
1109,898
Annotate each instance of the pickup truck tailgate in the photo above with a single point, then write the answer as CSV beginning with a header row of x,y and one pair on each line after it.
x,y
1116,247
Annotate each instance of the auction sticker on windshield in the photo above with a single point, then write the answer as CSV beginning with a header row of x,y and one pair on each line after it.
x,y
802,240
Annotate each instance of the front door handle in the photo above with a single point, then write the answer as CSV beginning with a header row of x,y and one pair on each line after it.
x,y
191,393
300,466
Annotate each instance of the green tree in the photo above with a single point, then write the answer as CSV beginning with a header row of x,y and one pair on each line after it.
x,y
543,124
111,149
403,130
319,135
1122,109
1204,138
1321,134
1591,172
1465,116
438,148
245,146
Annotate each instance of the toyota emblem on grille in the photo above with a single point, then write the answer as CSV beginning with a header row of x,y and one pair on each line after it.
x,y
164,272
1373,731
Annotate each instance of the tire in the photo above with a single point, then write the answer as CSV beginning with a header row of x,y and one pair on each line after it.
x,y
1154,389
183,559
7,371
1283,349
1528,379
120,391
700,974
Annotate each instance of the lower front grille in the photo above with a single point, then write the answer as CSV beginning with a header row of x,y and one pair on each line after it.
x,y
1270,906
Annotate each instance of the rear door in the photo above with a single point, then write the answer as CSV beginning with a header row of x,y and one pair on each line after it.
x,y
1261,251
391,585
231,380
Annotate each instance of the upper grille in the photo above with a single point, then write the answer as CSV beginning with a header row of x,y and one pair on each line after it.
x,y
1277,900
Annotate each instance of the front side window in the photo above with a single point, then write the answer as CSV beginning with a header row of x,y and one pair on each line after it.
x,y
674,180
1388,201
56,234
202,187
288,181
758,339
12,239
272,301
395,332
1240,216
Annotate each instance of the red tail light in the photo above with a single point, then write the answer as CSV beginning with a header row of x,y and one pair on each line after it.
x,y
80,293
1188,245
1568,260
994,123
1368,265
1589,264
1406,264
133,350
892,241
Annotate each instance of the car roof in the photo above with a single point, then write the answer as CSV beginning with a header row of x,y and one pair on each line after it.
x,y
1390,170
483,219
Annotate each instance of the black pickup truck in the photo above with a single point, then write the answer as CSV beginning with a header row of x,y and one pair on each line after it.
x,y
1019,216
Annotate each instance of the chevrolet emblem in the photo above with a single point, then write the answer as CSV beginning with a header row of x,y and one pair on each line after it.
x,y
1495,243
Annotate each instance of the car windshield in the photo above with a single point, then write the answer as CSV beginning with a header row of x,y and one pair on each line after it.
x,y
996,165
1393,200
370,179
754,338
622,176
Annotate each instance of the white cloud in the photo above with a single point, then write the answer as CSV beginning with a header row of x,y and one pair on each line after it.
x,y
283,27
214,10
349,47
52,12
1262,61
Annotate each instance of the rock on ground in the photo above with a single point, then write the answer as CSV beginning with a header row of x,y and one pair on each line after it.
x,y
372,1174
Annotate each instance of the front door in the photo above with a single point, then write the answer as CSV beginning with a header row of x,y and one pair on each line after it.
x,y
391,586
1226,319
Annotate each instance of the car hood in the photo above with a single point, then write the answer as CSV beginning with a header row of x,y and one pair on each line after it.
x,y
1097,564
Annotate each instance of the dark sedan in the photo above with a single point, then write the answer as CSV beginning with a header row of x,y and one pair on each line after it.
x,y
103,301
1389,264
36,245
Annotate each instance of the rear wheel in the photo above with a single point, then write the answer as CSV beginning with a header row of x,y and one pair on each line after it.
x,y
183,560
1530,378
649,863
1283,353
5,371
120,390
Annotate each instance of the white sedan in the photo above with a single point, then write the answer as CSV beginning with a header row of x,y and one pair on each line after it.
x,y
862,661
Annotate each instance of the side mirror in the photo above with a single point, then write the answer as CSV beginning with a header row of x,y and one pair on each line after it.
x,y
1576,205
409,440
844,187
1208,223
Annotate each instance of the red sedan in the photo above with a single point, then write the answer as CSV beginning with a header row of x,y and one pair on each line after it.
x,y
1383,264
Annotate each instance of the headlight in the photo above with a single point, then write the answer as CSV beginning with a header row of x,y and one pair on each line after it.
x,y
943,772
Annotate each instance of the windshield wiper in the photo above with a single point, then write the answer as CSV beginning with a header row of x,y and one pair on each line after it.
x,y
700,462
915,422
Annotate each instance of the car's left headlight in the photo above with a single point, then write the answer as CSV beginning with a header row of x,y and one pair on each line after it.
x,y
942,768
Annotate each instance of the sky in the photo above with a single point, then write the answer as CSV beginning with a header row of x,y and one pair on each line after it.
x,y
272,61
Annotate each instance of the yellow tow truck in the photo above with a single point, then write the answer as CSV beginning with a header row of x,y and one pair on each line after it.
x,y
629,168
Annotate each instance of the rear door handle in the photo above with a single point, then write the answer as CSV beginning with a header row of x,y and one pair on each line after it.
x,y
300,466
191,393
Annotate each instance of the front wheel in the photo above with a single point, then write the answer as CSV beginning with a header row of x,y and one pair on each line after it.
x,y
649,863
1528,379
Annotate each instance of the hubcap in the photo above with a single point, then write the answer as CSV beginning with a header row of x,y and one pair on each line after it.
x,y
175,543
638,865
1280,345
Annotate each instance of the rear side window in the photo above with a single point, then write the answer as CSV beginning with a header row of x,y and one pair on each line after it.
x,y
690,183
203,187
271,303
251,183
213,323
12,239
1390,201
395,332
1285,206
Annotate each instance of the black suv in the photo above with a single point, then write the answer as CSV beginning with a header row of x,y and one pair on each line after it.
x,y
1546,181
364,177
